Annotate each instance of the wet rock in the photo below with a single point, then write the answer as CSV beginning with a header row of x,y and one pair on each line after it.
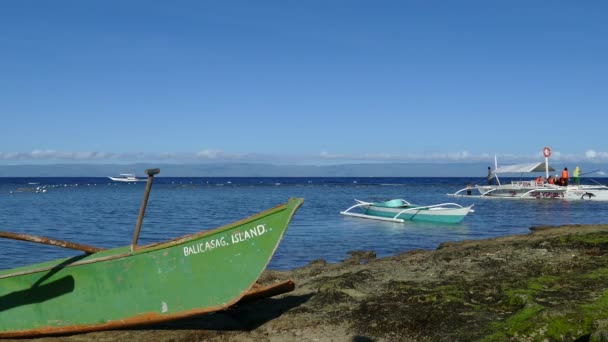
x,y
360,257
600,331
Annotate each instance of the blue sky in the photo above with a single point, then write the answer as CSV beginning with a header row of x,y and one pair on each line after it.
x,y
302,82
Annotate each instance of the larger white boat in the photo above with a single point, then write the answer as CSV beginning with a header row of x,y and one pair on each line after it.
x,y
127,177
537,188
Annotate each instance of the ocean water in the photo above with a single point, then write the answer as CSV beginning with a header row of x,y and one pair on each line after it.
x,y
99,212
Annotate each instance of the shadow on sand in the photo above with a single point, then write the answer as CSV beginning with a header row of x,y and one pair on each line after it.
x,y
242,317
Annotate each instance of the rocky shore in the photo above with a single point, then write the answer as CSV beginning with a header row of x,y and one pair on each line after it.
x,y
549,285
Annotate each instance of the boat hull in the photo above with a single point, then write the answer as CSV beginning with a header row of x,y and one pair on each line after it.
x,y
569,193
441,215
586,193
116,288
127,180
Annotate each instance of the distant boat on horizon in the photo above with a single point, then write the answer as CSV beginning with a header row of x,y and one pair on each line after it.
x,y
127,177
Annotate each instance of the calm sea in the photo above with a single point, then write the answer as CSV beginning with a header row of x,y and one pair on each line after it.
x,y
99,212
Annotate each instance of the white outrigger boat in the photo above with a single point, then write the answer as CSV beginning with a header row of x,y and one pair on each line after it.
x,y
533,189
400,210
127,177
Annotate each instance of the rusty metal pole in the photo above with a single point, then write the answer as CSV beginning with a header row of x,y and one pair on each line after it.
x,y
144,203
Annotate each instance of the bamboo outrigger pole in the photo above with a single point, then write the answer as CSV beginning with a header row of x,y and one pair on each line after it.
x,y
144,203
48,241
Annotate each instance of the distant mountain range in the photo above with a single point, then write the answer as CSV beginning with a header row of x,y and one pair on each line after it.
x,y
261,170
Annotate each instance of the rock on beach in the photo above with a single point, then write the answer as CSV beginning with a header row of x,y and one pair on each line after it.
x,y
548,285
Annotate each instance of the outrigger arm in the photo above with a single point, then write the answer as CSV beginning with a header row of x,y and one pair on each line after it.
x,y
361,203
48,241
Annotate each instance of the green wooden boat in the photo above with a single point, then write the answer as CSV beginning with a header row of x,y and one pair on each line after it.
x,y
135,285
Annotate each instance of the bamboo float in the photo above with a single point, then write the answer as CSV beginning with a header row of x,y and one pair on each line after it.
x,y
48,241
261,292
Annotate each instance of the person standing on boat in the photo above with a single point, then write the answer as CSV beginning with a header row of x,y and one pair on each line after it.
x,y
489,176
576,175
565,176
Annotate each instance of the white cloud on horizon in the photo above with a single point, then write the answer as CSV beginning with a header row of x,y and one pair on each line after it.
x,y
592,154
214,155
209,154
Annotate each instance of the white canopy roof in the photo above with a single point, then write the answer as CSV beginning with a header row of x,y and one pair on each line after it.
x,y
518,168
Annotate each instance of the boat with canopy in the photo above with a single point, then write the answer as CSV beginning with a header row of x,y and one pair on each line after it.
x,y
537,188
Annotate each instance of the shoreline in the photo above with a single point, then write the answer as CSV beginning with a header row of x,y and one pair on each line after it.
x,y
549,284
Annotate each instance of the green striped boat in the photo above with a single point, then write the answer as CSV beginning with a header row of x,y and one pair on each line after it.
x,y
135,285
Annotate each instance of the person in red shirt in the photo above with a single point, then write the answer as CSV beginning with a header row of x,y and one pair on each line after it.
x,y
565,177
